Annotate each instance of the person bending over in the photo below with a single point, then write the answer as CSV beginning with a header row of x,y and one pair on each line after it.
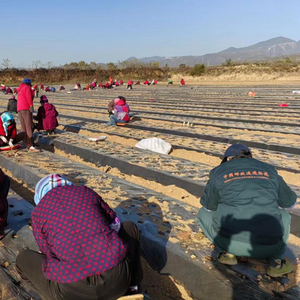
x,y
243,210
46,116
119,111
85,252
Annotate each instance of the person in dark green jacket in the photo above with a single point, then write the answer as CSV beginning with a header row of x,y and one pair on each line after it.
x,y
243,210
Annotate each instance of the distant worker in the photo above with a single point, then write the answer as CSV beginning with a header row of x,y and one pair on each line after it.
x,y
121,82
129,85
119,110
36,91
41,86
146,82
8,90
182,82
25,109
46,116
111,81
170,81
243,211
12,104
47,89
138,82
61,88
52,89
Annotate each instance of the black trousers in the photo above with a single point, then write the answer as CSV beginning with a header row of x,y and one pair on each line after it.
x,y
108,286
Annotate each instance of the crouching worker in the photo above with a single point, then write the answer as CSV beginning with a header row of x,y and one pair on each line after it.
x,y
86,252
46,116
119,111
8,130
243,211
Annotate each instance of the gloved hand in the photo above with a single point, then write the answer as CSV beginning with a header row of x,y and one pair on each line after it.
x,y
116,225
31,109
10,143
3,138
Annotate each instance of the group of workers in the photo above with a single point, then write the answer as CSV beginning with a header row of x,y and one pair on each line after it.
x,y
87,253
46,118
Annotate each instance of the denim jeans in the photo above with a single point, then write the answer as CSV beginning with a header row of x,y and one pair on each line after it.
x,y
113,120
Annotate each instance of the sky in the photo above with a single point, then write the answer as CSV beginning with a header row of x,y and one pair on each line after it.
x,y
67,31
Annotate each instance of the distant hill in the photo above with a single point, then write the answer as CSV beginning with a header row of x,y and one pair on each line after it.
x,y
275,47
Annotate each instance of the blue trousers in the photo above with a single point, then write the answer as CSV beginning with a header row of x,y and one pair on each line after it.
x,y
113,120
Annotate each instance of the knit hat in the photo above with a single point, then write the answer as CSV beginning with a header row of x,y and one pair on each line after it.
x,y
43,99
27,81
235,150
47,184
12,97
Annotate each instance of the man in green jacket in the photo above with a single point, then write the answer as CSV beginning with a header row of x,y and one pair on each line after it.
x,y
243,210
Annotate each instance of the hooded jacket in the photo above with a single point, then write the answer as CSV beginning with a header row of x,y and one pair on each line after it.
x,y
11,130
25,97
47,117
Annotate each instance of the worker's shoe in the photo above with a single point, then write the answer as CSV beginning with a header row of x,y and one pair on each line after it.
x,y
279,267
33,149
227,259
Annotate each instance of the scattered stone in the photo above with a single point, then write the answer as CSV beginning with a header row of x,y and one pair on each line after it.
x,y
278,283
5,265
14,236
193,256
259,277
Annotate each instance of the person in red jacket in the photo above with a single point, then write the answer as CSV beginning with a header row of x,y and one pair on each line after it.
x,y
182,82
4,187
129,85
86,253
8,129
46,116
25,109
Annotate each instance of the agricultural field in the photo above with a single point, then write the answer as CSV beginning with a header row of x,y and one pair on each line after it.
x,y
161,193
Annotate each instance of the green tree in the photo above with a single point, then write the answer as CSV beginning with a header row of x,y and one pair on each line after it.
x,y
155,65
228,62
198,70
111,66
93,65
182,66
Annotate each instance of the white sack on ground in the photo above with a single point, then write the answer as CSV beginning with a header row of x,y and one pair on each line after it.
x,y
155,145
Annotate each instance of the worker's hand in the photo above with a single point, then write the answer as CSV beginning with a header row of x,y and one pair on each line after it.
x,y
3,138
31,109
116,225
10,143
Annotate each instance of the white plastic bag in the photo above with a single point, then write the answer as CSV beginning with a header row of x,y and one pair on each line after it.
x,y
155,145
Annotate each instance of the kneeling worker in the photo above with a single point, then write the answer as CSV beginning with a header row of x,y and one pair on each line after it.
x,y
243,210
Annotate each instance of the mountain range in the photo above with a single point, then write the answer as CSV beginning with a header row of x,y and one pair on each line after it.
x,y
276,47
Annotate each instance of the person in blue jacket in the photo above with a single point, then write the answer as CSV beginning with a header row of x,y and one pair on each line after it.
x,y
243,210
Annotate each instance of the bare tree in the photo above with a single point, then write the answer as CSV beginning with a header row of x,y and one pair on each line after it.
x,y
36,64
6,63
